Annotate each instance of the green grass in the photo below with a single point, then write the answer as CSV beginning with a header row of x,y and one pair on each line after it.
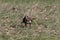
x,y
46,26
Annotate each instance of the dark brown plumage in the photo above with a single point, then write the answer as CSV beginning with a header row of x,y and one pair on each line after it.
x,y
27,20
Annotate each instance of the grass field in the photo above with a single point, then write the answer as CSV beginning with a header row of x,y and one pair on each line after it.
x,y
46,26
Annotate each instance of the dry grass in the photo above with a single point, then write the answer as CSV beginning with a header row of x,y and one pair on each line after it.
x,y
45,27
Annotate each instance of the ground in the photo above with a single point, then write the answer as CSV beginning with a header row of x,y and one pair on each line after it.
x,y
46,26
